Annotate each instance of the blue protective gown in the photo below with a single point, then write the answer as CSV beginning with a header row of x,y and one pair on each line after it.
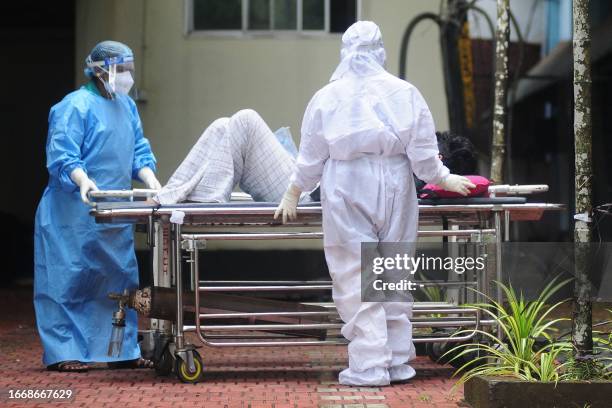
x,y
78,262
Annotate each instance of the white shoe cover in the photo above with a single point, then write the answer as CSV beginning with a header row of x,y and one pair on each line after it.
x,y
402,372
375,376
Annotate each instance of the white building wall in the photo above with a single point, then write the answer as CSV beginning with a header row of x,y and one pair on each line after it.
x,y
190,80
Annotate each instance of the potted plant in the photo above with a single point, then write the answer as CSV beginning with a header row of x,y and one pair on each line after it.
x,y
522,364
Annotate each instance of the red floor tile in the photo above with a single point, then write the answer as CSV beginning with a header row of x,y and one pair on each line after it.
x,y
234,377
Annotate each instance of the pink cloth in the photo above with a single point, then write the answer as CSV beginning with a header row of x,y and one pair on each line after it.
x,y
481,190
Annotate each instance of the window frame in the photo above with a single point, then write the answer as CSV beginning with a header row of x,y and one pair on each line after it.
x,y
244,32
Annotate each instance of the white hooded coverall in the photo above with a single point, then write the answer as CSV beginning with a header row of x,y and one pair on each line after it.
x,y
363,135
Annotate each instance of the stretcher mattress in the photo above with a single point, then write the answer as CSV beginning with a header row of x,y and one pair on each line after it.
x,y
260,213
258,204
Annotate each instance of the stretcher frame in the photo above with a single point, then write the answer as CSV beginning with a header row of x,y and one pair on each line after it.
x,y
485,220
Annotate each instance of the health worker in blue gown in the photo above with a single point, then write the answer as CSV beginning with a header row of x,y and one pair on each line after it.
x,y
95,141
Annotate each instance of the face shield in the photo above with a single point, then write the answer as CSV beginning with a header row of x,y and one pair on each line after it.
x,y
115,73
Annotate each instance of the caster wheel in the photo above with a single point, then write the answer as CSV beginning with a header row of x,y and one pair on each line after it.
x,y
182,369
165,363
435,351
470,360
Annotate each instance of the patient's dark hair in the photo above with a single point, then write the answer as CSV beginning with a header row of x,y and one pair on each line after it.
x,y
458,153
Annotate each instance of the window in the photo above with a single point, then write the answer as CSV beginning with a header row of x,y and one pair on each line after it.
x,y
268,16
217,15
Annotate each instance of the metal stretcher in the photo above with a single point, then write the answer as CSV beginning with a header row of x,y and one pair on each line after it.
x,y
228,313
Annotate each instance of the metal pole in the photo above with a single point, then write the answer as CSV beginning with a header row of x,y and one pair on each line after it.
x,y
196,293
179,338
196,265
506,225
498,263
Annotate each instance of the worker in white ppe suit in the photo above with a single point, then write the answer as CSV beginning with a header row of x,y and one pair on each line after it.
x,y
363,135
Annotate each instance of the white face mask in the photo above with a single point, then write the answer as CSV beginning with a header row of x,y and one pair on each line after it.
x,y
123,82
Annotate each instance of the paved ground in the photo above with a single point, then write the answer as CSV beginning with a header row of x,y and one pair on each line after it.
x,y
245,377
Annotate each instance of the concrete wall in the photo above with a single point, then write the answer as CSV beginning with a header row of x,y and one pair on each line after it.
x,y
190,80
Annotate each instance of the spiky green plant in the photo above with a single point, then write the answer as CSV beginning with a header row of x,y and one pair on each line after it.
x,y
603,354
512,352
432,292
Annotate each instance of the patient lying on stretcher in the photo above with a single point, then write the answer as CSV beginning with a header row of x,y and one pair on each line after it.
x,y
242,150
239,150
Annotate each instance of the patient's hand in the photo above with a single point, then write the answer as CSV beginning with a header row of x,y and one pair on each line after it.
x,y
151,201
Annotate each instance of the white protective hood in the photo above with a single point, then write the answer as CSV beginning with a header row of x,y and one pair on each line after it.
x,y
362,52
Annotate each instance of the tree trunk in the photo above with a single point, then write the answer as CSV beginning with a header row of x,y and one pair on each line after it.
x,y
502,39
582,335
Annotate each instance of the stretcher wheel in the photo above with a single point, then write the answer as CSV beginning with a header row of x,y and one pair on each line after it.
x,y
435,351
182,369
165,363
469,358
